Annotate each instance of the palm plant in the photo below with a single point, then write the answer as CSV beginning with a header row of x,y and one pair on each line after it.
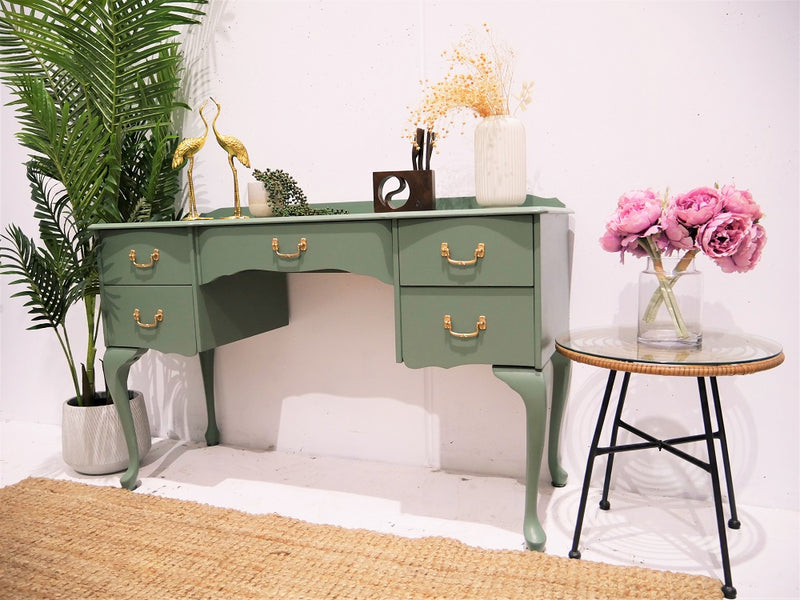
x,y
96,85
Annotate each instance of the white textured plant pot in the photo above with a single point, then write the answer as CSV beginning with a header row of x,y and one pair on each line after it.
x,y
258,200
500,178
92,441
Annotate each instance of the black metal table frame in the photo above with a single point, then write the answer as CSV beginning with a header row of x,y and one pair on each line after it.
x,y
711,466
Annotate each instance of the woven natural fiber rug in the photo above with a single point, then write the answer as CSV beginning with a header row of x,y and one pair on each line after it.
x,y
61,539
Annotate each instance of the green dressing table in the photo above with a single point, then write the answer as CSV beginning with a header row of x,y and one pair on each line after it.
x,y
471,286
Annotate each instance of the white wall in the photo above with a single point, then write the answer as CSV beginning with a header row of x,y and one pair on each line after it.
x,y
628,94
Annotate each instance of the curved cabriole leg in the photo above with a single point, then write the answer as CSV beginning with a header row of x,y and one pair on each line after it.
x,y
207,369
531,385
116,366
561,377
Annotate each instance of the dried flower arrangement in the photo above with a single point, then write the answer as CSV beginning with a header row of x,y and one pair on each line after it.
x,y
478,82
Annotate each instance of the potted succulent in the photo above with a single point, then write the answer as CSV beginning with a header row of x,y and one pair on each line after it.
x,y
285,197
96,84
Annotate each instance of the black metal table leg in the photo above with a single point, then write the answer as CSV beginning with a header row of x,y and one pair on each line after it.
x,y
604,503
575,553
727,589
733,522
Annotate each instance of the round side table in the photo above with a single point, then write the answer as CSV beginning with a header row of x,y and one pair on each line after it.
x,y
720,354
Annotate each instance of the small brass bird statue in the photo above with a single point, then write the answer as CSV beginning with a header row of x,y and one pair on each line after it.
x,y
186,150
235,149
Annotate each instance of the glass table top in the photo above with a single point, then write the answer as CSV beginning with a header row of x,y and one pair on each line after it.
x,y
717,348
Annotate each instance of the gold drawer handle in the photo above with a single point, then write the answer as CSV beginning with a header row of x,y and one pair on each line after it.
x,y
479,252
302,246
159,316
479,326
153,259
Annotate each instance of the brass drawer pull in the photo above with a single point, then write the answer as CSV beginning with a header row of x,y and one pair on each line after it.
x,y
153,259
302,246
159,316
479,326
479,252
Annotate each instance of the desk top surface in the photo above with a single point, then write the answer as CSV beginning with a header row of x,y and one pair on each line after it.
x,y
360,211
721,353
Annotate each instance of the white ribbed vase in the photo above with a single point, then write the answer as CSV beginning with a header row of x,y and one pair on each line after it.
x,y
92,441
500,178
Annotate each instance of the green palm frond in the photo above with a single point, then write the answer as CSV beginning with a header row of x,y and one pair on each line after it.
x,y
56,231
40,276
70,248
134,43
31,36
113,61
148,175
95,84
70,150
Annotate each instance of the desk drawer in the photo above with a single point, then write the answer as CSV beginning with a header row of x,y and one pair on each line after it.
x,y
356,247
162,256
507,251
508,337
173,332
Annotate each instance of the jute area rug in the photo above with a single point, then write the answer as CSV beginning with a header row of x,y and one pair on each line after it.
x,y
61,539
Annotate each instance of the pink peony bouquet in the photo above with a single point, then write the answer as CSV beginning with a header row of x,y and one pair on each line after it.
x,y
723,224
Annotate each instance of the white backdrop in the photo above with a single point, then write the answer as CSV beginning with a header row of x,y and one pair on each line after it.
x,y
627,95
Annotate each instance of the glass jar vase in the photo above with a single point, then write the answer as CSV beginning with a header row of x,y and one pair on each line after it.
x,y
670,303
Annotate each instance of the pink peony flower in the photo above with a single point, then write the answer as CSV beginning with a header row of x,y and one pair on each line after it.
x,y
637,217
722,224
723,234
741,202
747,254
678,236
610,242
695,208
638,212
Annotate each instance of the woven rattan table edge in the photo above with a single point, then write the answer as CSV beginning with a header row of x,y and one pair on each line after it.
x,y
675,370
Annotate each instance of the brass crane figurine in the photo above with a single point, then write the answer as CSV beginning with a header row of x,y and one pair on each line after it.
x,y
234,148
186,150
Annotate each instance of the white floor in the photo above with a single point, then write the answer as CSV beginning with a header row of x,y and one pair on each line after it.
x,y
660,533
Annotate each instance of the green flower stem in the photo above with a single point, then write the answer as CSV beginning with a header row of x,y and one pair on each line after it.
x,y
657,298
686,260
664,293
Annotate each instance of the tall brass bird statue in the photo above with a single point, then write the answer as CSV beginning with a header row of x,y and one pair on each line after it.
x,y
234,148
186,150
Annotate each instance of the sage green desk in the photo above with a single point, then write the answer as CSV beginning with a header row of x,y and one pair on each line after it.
x,y
471,286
